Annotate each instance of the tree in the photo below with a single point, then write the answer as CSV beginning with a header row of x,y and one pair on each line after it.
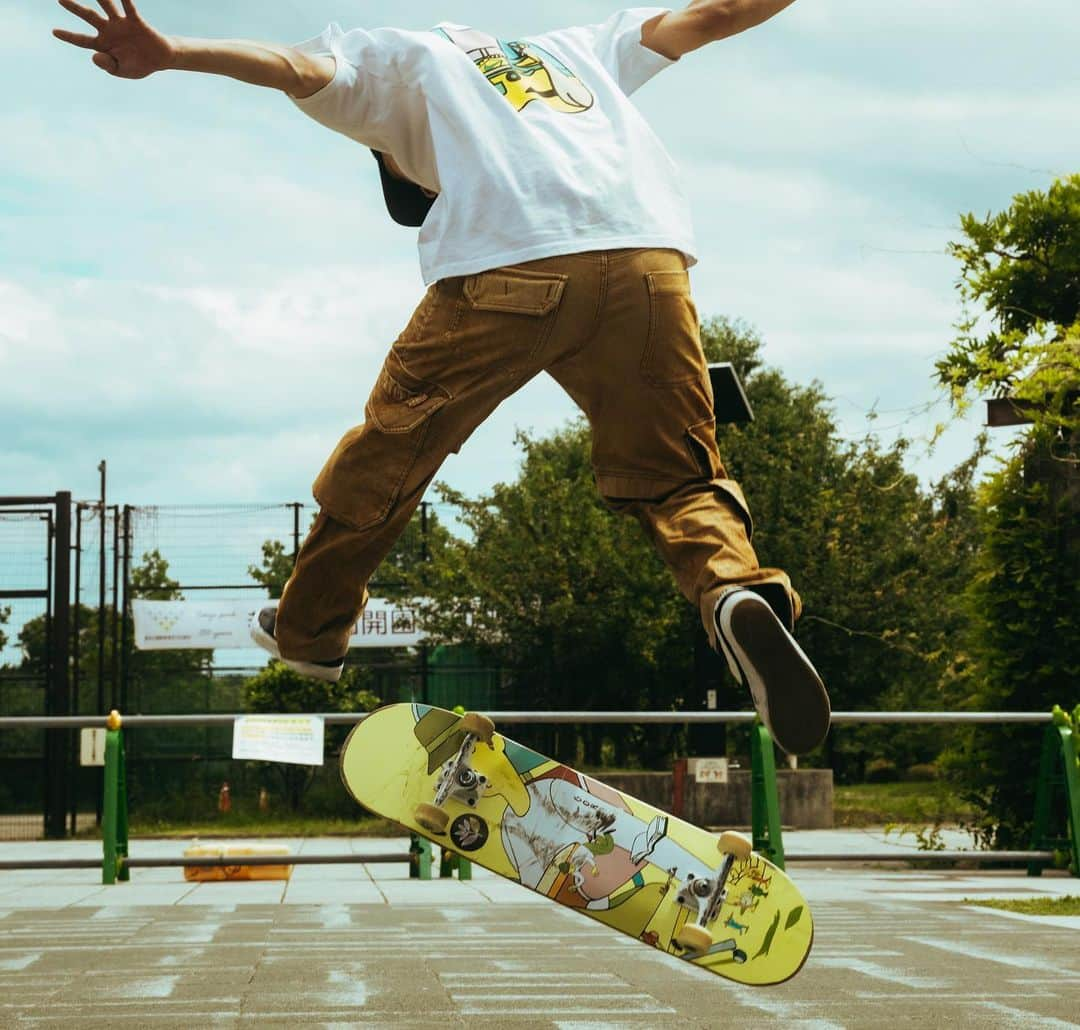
x,y
575,601
277,566
171,681
571,599
398,574
5,614
278,689
877,560
1022,266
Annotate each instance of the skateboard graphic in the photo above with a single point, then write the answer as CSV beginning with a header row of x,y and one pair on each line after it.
x,y
706,899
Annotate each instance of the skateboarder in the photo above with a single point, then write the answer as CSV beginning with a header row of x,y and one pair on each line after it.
x,y
554,236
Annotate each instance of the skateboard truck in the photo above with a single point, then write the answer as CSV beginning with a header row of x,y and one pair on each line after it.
x,y
704,895
457,778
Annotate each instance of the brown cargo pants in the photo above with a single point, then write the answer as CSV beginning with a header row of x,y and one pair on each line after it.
x,y
619,332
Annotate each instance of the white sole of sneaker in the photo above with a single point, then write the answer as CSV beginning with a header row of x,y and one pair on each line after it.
x,y
327,673
786,689
261,637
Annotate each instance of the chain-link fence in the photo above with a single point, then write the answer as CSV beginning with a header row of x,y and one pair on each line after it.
x,y
123,554
26,535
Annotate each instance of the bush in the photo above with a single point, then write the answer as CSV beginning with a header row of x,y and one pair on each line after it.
x,y
924,772
881,770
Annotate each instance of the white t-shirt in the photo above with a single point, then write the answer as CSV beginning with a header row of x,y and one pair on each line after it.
x,y
533,146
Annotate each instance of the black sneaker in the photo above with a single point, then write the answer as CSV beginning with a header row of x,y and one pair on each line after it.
x,y
787,691
262,632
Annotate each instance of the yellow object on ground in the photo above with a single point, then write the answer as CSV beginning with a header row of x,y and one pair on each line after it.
x,y
239,871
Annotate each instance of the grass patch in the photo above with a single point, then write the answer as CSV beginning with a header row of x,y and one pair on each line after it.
x,y
875,804
1067,906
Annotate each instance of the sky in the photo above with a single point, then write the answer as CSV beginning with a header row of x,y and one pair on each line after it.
x,y
198,283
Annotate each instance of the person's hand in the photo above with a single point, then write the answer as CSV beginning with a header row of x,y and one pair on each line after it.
x,y
126,46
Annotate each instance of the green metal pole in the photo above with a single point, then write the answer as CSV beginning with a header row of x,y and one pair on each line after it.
x,y
110,798
123,872
1072,791
420,862
108,807
447,861
764,798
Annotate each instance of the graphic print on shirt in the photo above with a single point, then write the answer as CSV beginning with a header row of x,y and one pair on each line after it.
x,y
522,71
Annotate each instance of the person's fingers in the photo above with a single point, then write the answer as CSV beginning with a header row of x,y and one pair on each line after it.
x,y
106,62
85,13
88,42
110,9
129,9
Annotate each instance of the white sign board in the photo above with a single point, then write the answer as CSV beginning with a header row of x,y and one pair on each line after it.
x,y
295,739
213,625
92,746
708,770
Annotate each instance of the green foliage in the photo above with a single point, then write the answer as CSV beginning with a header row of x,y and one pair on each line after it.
x,y
173,681
877,560
576,603
5,614
1066,906
881,770
571,598
401,571
150,581
277,566
1023,267
1025,641
927,838
163,671
278,689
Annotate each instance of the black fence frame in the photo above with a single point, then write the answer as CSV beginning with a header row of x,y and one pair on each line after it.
x,y
57,509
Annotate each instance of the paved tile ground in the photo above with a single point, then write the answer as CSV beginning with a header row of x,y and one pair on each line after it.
x,y
364,945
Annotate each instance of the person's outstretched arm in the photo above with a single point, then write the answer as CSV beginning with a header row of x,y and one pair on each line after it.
x,y
706,21
127,47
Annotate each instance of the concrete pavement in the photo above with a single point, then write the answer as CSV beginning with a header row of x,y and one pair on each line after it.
x,y
364,945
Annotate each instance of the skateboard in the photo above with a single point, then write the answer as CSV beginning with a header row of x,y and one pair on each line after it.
x,y
707,899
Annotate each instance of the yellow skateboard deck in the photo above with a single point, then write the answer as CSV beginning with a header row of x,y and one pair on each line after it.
x,y
580,843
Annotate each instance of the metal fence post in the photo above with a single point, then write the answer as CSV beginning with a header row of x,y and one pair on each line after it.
x,y
451,862
109,803
114,815
419,858
764,798
1058,787
58,742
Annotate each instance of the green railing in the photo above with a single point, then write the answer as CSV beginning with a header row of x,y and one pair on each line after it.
x,y
1056,833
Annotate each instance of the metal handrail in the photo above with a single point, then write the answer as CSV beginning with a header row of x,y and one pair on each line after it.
x,y
534,718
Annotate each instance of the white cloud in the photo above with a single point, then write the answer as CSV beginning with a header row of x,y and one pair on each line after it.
x,y
199,283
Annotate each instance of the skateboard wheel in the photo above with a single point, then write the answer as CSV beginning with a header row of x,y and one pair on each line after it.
x,y
694,937
432,819
735,844
478,725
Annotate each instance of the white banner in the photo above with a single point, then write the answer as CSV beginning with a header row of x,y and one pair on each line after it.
x,y
212,625
296,739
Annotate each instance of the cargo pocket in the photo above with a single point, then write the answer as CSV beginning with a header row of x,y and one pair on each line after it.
x,y
362,481
701,442
509,313
672,350
401,400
